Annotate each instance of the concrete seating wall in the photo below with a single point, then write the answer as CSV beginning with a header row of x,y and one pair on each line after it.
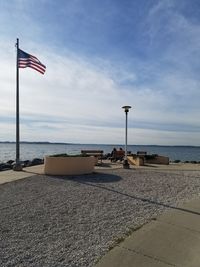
x,y
141,160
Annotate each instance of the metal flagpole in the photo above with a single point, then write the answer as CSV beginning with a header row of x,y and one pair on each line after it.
x,y
17,166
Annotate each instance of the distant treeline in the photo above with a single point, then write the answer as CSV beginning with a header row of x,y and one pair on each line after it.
x,y
26,142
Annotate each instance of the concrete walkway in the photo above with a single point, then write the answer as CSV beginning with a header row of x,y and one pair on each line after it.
x,y
173,239
9,176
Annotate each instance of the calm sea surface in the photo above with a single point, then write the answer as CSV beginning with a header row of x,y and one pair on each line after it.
x,y
30,151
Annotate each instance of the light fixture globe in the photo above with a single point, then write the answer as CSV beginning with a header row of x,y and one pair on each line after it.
x,y
126,108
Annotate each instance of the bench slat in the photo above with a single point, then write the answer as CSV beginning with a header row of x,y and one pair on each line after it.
x,y
92,151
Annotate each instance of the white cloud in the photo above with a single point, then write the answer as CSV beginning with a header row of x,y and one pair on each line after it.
x,y
148,136
75,102
80,99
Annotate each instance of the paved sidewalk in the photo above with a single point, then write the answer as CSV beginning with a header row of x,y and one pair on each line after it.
x,y
9,176
173,239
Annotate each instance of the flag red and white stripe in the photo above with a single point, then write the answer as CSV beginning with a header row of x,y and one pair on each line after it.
x,y
26,60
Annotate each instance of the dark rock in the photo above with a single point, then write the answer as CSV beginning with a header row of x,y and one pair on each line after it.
x,y
27,163
10,162
177,161
5,166
37,161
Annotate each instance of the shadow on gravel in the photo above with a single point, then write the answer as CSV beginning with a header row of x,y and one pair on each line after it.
x,y
95,178
104,165
92,178
150,165
136,197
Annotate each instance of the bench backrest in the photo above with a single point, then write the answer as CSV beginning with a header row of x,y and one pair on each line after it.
x,y
141,153
92,151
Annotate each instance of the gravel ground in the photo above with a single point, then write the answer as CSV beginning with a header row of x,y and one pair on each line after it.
x,y
72,221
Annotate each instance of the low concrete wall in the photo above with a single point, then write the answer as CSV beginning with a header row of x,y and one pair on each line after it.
x,y
151,159
157,160
136,160
68,165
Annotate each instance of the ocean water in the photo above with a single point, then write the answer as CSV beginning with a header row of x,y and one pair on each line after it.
x,y
30,151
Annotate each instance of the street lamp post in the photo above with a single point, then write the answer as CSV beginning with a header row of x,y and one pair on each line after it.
x,y
125,163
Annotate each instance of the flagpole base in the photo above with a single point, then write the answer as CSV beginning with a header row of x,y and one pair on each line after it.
x,y
17,167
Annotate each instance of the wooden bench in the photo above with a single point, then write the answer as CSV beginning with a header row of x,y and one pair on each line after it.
x,y
141,153
96,153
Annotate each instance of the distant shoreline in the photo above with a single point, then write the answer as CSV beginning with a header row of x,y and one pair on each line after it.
x,y
63,143
29,142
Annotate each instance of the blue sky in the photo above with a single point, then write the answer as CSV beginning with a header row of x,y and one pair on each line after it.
x,y
100,56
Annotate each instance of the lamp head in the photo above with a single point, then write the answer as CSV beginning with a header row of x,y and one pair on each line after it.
x,y
126,108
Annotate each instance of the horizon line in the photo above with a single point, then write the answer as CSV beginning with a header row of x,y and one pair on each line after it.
x,y
68,143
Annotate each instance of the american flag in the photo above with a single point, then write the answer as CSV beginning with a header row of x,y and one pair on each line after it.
x,y
27,60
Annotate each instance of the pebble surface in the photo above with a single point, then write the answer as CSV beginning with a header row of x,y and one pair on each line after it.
x,y
73,221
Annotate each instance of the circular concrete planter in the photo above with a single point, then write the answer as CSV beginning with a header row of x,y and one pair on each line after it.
x,y
68,165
